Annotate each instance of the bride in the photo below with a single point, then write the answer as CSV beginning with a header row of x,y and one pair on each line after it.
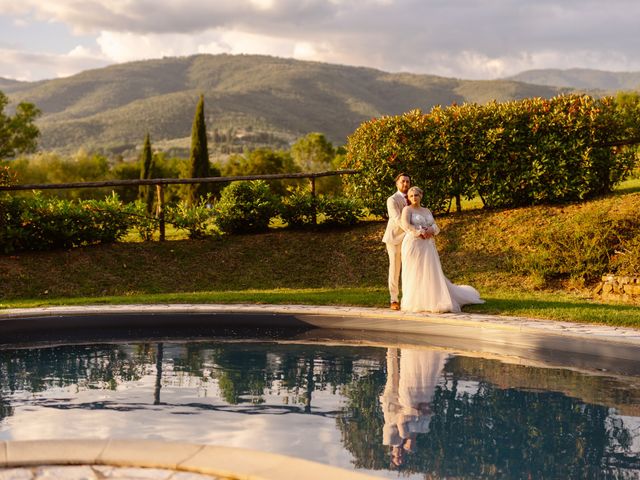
x,y
424,286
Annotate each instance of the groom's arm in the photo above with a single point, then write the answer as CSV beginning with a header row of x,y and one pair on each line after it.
x,y
393,212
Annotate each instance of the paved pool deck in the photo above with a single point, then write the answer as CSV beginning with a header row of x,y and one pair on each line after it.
x,y
340,317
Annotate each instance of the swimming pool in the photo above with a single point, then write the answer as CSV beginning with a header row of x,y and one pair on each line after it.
x,y
400,408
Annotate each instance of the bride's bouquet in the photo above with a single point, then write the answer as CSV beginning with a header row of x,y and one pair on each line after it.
x,y
424,229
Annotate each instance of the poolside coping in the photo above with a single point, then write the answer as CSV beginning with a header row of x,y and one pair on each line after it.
x,y
150,458
327,317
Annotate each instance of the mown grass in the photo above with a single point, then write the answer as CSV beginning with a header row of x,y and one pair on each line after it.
x,y
322,267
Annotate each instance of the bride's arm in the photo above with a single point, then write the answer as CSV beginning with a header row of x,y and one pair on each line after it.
x,y
434,225
406,223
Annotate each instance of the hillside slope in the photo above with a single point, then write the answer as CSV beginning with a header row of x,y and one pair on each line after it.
x,y
113,107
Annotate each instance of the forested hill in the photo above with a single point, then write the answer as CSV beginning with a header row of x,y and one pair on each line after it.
x,y
274,100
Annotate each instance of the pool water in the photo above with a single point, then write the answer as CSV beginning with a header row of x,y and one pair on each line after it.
x,y
389,412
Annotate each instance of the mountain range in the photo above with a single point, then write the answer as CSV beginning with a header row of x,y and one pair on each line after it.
x,y
249,100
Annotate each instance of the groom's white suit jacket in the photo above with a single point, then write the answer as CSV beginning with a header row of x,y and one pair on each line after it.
x,y
394,232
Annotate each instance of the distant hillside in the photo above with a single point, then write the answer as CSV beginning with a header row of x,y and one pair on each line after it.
x,y
247,98
8,85
581,78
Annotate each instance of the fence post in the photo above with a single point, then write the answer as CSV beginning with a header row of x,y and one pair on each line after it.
x,y
313,199
160,209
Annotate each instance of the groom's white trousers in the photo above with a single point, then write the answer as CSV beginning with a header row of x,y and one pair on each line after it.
x,y
395,261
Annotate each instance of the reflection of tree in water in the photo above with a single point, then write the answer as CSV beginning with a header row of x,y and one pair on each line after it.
x,y
494,433
362,421
100,366
246,371
6,409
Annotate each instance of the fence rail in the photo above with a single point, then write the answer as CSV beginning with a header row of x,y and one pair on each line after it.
x,y
161,182
175,181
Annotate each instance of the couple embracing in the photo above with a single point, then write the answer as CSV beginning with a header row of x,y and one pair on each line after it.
x,y
412,250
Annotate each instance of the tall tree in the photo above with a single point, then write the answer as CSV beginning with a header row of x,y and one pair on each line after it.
x,y
146,171
313,152
199,159
18,133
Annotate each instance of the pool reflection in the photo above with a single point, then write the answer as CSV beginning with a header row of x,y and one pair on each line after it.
x,y
411,412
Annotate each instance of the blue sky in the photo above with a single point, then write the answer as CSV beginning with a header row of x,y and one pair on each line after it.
x,y
471,39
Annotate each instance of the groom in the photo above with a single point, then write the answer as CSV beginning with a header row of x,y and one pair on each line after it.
x,y
394,234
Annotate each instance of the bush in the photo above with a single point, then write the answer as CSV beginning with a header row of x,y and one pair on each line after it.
x,y
246,207
196,218
519,153
144,223
626,260
39,223
340,211
7,176
299,208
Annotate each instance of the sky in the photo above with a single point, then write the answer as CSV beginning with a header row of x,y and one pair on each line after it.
x,y
468,39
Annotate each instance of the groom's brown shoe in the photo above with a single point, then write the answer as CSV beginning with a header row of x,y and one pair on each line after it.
x,y
395,306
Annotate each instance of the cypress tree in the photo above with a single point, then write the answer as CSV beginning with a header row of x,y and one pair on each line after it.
x,y
199,158
146,192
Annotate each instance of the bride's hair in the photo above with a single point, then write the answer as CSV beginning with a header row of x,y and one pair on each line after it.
x,y
415,189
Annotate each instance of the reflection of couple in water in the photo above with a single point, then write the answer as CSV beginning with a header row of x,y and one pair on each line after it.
x,y
412,378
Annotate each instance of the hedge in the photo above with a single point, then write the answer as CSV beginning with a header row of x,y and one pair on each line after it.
x,y
512,154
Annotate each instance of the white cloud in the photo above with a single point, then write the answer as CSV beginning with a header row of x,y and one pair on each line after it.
x,y
465,38
29,67
80,52
263,4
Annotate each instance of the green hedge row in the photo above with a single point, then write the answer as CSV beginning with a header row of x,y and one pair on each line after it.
x,y
40,223
511,154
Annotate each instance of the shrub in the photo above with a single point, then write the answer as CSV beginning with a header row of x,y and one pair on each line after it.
x,y
626,260
340,211
245,207
7,176
40,223
196,218
299,208
511,154
145,224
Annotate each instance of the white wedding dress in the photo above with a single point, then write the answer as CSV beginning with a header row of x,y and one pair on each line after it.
x,y
424,286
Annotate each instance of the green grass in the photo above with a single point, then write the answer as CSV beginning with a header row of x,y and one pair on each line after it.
x,y
631,185
559,306
367,297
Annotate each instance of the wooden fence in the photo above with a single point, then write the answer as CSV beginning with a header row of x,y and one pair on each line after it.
x,y
161,182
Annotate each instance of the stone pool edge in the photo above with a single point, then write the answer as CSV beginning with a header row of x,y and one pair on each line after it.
x,y
338,317
223,462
